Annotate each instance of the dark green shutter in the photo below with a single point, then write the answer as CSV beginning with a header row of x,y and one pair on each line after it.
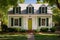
x,y
11,21
39,21
26,10
47,21
32,10
39,10
19,21
46,10
19,10
13,10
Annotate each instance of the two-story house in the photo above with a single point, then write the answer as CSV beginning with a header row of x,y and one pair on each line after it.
x,y
30,16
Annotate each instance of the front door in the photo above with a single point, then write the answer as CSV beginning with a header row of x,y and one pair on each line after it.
x,y
30,24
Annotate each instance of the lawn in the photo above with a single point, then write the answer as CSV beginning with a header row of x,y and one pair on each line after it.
x,y
13,37
46,37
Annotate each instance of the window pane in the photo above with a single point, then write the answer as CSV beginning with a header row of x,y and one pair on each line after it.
x,y
16,22
17,10
43,22
30,10
45,9
42,9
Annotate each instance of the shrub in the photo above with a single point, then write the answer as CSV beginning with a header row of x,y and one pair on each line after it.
x,y
53,29
14,29
23,30
4,27
44,29
11,30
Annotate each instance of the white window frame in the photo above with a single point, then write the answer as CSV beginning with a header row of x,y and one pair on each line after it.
x,y
44,10
45,21
28,10
14,21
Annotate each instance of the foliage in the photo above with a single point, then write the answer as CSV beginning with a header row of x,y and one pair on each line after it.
x,y
43,29
56,15
22,1
4,6
4,27
53,29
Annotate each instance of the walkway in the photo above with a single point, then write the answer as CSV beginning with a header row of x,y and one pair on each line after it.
x,y
30,36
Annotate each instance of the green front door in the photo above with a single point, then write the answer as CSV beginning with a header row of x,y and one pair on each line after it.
x,y
30,24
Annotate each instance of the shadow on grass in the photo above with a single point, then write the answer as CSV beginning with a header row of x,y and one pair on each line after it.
x,y
46,37
13,37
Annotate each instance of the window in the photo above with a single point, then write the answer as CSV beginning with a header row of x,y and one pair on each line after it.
x,y
43,22
30,10
43,10
17,10
16,22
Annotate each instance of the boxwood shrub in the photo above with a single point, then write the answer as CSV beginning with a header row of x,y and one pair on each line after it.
x,y
43,29
53,29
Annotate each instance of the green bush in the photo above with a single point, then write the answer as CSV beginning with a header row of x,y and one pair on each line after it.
x,y
44,29
22,30
4,27
13,29
53,29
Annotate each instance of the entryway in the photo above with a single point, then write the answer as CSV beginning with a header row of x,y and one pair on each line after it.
x,y
29,23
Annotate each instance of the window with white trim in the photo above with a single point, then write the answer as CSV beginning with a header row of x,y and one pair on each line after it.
x,y
17,10
16,22
43,10
30,10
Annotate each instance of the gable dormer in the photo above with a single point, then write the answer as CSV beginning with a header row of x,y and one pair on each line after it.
x,y
30,9
43,9
17,10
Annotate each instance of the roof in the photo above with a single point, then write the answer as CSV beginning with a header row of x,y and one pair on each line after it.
x,y
36,7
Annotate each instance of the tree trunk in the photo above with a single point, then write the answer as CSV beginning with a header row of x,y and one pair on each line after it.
x,y
57,3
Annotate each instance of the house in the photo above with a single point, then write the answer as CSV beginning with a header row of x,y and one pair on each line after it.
x,y
30,16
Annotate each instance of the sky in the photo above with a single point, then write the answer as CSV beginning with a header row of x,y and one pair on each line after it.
x,y
30,1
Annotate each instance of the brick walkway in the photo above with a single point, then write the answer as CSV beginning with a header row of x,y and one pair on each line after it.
x,y
31,36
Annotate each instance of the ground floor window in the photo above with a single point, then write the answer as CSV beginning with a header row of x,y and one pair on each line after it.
x,y
15,21
43,21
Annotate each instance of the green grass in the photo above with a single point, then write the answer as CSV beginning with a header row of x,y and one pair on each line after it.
x,y
46,37
13,37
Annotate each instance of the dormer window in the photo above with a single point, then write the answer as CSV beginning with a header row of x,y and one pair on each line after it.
x,y
30,9
17,10
43,10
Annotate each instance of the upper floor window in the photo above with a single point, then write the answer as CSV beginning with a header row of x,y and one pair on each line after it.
x,y
43,10
17,10
30,10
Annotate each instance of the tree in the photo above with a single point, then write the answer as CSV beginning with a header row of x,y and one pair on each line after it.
x,y
56,16
53,2
5,5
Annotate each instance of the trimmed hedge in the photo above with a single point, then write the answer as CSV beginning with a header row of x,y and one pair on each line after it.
x,y
44,29
53,29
